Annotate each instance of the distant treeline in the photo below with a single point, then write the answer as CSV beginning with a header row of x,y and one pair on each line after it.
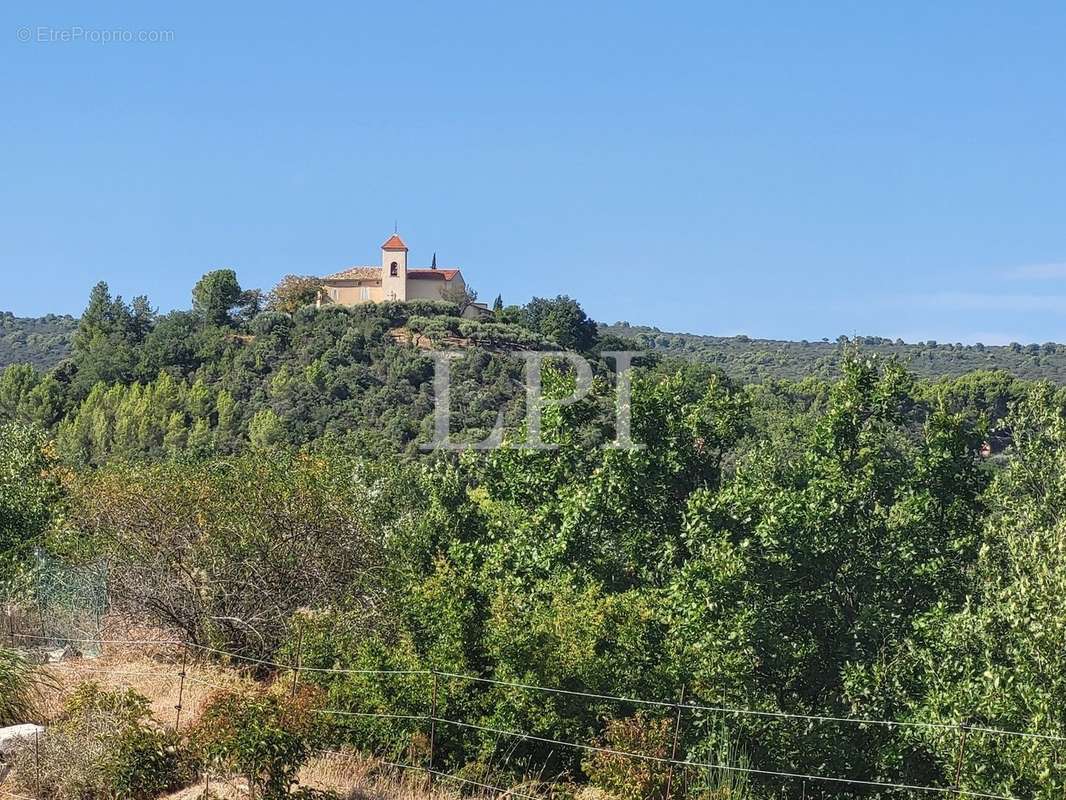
x,y
746,359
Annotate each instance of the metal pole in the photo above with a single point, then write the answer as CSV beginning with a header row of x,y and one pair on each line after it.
x,y
677,736
432,729
40,614
181,686
37,594
962,752
299,660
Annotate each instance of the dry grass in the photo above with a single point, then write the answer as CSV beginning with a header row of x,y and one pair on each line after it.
x,y
215,789
362,778
359,777
153,672
353,777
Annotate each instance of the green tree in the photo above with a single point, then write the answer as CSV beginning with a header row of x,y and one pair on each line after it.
x,y
215,296
106,344
29,496
16,383
818,568
562,320
265,429
1000,662
45,404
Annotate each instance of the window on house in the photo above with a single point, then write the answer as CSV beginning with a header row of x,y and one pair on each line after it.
x,y
333,293
364,293
394,269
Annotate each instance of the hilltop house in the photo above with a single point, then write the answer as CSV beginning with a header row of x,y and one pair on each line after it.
x,y
393,280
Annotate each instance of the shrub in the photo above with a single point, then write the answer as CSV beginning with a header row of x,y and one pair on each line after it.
x,y
19,688
432,308
339,641
417,324
627,777
495,334
261,734
182,540
106,744
270,322
434,326
398,312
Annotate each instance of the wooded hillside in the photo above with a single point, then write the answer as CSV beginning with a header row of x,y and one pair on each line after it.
x,y
40,341
795,556
45,341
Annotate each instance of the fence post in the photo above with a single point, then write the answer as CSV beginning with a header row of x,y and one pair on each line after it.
x,y
299,660
40,615
962,753
432,729
677,736
181,686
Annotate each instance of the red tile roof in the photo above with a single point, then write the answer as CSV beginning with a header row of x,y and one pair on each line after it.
x,y
394,243
432,274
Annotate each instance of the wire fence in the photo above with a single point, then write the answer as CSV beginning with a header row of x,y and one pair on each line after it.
x,y
193,656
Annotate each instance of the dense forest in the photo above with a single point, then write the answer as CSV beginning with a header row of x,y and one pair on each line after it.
x,y
46,341
858,541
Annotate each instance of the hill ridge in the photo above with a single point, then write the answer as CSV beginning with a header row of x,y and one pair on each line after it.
x,y
752,359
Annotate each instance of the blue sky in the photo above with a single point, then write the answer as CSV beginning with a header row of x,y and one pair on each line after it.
x,y
776,169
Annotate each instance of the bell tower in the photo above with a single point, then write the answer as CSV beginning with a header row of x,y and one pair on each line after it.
x,y
394,269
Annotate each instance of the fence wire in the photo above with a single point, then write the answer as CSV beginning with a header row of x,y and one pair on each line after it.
x,y
434,718
665,704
